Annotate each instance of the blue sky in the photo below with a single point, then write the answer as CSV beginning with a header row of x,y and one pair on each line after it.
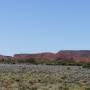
x,y
29,26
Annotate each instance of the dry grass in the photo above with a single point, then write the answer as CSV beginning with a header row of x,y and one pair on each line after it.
x,y
41,77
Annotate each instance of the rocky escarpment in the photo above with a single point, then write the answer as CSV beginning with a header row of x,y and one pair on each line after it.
x,y
81,55
75,55
46,55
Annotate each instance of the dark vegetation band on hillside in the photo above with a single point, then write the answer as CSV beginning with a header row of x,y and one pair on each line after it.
x,y
47,62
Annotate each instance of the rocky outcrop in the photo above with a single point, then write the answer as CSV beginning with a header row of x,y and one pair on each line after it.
x,y
75,55
47,56
81,55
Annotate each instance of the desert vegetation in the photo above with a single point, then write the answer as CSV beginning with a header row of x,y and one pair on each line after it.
x,y
43,77
47,62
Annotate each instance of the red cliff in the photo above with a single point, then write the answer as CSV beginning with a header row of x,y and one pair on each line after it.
x,y
47,56
75,55
81,55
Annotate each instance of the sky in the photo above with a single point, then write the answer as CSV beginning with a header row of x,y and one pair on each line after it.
x,y
31,26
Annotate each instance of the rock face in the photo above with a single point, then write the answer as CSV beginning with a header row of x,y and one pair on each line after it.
x,y
80,55
47,56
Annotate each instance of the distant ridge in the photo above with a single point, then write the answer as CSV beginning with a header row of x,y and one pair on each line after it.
x,y
75,55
